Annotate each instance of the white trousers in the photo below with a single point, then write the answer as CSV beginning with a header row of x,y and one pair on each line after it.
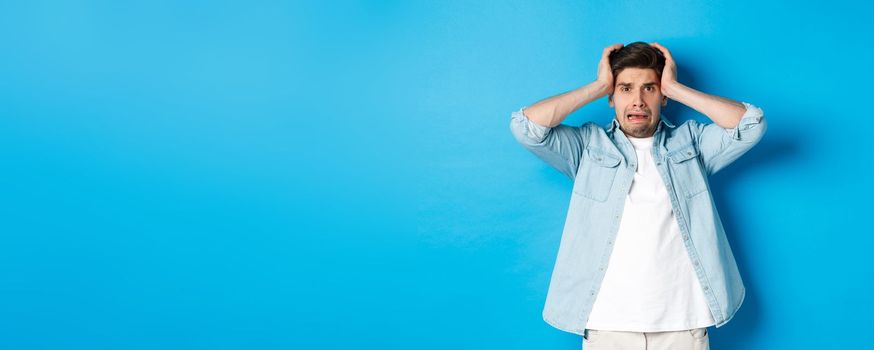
x,y
691,339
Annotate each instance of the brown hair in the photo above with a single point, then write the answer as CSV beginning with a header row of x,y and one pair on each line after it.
x,y
637,55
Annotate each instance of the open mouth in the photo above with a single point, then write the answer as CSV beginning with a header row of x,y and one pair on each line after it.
x,y
637,117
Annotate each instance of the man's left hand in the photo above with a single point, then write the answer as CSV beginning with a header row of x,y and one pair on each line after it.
x,y
669,74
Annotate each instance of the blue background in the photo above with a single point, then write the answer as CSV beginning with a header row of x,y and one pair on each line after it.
x,y
257,174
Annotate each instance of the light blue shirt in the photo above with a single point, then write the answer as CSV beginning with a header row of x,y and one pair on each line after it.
x,y
602,162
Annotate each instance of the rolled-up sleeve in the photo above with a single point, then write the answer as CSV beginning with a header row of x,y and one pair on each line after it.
x,y
536,131
560,146
524,126
749,122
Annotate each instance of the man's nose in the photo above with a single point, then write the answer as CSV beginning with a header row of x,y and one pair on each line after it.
x,y
638,102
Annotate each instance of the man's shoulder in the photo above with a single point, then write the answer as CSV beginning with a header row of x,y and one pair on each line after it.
x,y
691,123
684,128
595,127
683,134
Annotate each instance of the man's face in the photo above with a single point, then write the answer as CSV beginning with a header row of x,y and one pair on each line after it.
x,y
637,98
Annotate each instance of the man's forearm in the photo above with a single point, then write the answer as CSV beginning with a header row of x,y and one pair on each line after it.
x,y
722,111
551,111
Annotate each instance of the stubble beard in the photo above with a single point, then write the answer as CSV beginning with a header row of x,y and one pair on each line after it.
x,y
639,131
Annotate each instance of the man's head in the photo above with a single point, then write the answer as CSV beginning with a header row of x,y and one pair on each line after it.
x,y
637,95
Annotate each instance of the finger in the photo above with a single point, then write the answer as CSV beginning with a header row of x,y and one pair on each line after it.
x,y
660,48
664,50
612,48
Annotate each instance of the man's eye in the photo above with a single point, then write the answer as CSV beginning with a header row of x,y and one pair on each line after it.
x,y
625,89
650,88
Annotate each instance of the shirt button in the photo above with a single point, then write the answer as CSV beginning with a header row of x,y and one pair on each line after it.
x,y
685,237
609,242
695,263
706,288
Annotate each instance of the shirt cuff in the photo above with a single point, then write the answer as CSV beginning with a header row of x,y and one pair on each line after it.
x,y
533,130
751,118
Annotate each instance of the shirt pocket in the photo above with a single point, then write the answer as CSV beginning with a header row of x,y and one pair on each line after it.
x,y
687,172
596,174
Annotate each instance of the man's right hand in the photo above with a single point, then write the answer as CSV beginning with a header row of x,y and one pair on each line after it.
x,y
605,74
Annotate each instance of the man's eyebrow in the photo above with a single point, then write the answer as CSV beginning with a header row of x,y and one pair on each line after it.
x,y
652,83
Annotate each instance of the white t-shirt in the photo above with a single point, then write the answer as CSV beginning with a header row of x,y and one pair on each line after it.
x,y
650,284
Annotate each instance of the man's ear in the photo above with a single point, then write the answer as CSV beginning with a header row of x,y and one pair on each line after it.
x,y
610,100
664,101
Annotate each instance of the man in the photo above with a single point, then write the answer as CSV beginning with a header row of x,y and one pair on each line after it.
x,y
643,262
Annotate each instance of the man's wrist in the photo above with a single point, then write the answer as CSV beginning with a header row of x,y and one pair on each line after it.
x,y
600,88
670,89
